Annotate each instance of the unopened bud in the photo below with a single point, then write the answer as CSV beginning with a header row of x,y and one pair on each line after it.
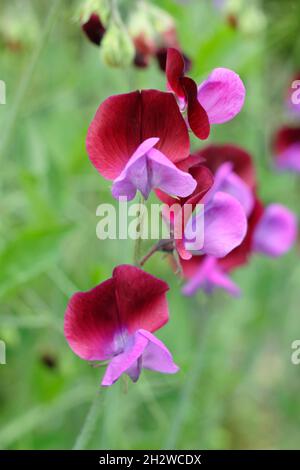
x,y
117,49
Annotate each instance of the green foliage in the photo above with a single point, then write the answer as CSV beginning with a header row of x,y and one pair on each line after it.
x,y
237,387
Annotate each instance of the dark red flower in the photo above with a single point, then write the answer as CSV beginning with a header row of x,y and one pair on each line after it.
x,y
94,29
114,321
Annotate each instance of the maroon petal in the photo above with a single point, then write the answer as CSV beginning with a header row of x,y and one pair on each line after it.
x,y
94,29
91,322
285,137
161,118
123,122
243,166
115,133
175,71
141,299
197,116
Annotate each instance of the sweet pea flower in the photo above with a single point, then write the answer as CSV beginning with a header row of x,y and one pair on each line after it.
x,y
276,231
272,231
210,273
222,217
286,149
136,140
114,322
216,100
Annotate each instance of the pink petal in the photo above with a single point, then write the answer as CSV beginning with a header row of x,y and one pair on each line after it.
x,y
229,182
289,159
142,350
276,231
156,356
222,95
147,169
209,277
128,360
225,226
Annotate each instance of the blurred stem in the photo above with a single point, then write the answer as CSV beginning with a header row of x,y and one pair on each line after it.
x,y
138,241
191,382
26,78
89,425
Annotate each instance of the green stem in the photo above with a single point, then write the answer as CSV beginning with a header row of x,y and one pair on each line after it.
x,y
138,242
26,80
190,386
89,425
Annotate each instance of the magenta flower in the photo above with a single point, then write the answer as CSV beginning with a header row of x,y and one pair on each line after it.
x,y
136,140
286,148
276,231
223,217
208,276
217,100
114,322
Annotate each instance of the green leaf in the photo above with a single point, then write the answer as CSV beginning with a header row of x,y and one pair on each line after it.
x,y
28,255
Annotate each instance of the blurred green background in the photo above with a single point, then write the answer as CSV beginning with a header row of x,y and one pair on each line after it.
x,y
237,387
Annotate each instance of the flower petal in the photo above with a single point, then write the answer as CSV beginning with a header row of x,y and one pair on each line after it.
x,y
123,122
91,322
209,277
276,231
147,169
129,361
175,71
196,114
141,299
289,159
229,182
156,356
242,162
225,226
222,95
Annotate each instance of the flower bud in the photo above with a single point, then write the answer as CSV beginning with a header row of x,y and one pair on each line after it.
x,y
117,49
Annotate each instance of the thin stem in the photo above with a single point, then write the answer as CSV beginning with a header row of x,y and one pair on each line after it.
x,y
26,80
138,242
89,425
148,255
187,392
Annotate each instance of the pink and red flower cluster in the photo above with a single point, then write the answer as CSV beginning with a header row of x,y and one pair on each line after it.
x,y
140,141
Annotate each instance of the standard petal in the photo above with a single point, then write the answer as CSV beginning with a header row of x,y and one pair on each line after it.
x,y
91,322
123,122
222,95
141,299
156,356
225,226
242,162
161,117
276,231
126,361
114,133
